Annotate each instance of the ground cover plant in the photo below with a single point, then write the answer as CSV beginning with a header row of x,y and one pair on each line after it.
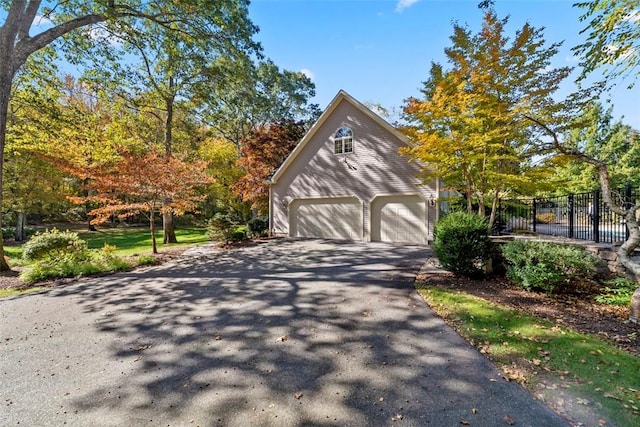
x,y
546,266
50,256
548,345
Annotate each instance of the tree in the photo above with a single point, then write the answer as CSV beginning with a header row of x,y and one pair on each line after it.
x,y
613,38
170,67
263,150
32,185
142,183
470,126
606,140
223,156
18,41
242,96
613,45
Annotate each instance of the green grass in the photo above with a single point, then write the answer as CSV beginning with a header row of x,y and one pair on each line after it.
x,y
553,362
8,293
137,241
129,242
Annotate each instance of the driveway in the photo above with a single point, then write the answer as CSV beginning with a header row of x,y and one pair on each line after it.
x,y
284,333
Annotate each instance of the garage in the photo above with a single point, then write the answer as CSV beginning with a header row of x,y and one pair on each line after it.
x,y
399,219
327,218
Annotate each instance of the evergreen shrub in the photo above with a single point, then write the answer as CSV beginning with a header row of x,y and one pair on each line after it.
x,y
54,243
258,226
462,243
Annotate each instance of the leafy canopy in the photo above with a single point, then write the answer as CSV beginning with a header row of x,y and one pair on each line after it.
x,y
471,124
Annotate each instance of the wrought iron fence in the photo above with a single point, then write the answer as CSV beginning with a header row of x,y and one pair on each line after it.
x,y
581,216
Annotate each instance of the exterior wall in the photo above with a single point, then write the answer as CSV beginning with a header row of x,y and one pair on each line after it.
x,y
375,167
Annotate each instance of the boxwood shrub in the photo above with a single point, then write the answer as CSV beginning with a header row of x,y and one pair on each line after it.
x,y
462,243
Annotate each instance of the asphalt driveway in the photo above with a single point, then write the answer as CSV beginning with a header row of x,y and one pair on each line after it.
x,y
285,333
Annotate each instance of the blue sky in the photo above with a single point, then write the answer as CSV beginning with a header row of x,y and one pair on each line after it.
x,y
380,51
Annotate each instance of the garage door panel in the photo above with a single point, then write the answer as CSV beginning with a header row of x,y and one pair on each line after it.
x,y
327,218
400,219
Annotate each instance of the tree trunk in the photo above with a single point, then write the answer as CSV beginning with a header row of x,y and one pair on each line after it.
x,y
168,228
152,228
19,235
6,77
494,208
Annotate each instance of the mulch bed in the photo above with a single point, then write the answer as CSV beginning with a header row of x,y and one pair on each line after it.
x,y
576,311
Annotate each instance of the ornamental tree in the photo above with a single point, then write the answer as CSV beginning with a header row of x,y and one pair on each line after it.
x,y
470,125
142,183
263,150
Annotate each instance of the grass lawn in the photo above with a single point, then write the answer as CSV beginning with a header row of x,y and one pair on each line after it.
x,y
133,248
128,241
137,240
579,375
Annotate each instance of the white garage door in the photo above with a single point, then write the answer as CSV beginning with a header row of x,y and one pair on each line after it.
x,y
399,219
332,218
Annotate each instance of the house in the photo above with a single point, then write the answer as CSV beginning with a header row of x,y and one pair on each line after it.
x,y
347,180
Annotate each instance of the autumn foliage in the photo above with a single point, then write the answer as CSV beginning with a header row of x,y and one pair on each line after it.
x,y
142,183
263,150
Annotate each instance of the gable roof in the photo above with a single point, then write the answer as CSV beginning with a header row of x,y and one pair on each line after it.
x,y
341,97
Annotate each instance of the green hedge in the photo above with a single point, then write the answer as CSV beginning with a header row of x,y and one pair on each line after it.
x,y
462,243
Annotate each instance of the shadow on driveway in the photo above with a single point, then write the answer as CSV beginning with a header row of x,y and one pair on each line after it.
x,y
287,333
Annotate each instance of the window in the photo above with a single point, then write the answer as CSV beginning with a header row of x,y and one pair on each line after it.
x,y
343,140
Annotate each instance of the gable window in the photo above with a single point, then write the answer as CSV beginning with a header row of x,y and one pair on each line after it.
x,y
343,140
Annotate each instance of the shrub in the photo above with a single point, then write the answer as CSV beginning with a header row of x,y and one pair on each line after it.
x,y
54,243
225,227
618,291
546,218
73,265
146,260
462,244
258,226
546,266
55,260
239,234
221,227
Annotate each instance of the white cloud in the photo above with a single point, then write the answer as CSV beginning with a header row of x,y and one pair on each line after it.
x,y
405,4
308,73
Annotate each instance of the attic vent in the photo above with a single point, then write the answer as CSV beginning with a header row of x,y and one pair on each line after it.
x,y
343,140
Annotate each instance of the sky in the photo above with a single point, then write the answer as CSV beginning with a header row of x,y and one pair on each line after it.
x,y
380,51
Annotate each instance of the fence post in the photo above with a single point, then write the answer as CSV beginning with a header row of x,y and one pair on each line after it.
x,y
534,208
570,216
627,205
595,221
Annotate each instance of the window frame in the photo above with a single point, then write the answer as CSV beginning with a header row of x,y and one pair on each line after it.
x,y
343,138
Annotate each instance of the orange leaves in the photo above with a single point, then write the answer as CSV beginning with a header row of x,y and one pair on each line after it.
x,y
144,182
263,150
